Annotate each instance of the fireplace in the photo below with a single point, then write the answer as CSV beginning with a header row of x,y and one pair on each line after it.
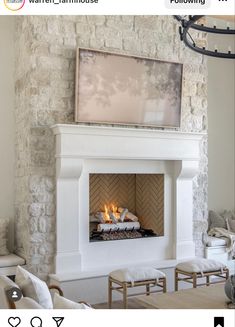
x,y
84,153
126,206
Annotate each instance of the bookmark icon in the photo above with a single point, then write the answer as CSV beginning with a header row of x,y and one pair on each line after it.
x,y
218,321
58,320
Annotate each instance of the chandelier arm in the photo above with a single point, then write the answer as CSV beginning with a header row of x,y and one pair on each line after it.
x,y
191,37
212,29
193,19
208,52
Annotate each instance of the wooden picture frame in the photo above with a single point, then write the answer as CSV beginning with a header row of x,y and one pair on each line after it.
x,y
128,90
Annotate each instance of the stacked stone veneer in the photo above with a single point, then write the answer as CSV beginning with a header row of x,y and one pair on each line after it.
x,y
44,84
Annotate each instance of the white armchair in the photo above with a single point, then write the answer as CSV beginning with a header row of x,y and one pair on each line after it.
x,y
36,294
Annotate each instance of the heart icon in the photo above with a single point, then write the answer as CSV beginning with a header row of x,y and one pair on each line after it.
x,y
14,321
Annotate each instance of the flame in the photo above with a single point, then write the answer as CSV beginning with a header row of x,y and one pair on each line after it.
x,y
106,213
114,208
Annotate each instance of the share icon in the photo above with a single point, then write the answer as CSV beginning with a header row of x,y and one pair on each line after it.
x,y
58,320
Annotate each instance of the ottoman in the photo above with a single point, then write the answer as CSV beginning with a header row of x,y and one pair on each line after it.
x,y
134,277
191,271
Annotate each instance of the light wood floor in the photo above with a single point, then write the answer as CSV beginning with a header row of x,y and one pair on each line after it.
x,y
133,303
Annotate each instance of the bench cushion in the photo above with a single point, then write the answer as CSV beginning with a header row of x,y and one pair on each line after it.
x,y
215,241
200,265
11,260
136,274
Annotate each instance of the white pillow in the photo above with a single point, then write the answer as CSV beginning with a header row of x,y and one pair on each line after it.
x,y
228,214
231,224
216,220
33,287
27,303
3,236
61,302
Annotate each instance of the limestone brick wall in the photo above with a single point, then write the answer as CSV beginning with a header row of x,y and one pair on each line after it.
x,y
44,84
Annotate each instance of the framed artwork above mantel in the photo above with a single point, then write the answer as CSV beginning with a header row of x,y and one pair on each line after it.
x,y
114,88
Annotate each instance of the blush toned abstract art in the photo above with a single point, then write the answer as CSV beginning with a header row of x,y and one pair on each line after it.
x,y
121,89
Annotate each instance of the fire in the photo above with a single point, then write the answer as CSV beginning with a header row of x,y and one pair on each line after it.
x,y
106,213
107,209
114,209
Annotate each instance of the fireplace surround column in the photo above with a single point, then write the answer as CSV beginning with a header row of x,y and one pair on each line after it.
x,y
68,256
184,244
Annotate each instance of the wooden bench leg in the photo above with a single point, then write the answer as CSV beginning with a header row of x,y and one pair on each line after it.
x,y
125,295
207,280
110,291
176,280
227,273
194,280
164,285
147,289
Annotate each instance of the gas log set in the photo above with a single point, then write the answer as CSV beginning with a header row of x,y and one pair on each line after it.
x,y
116,223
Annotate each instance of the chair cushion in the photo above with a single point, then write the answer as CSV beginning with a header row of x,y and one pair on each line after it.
x,y
11,260
27,303
33,287
3,236
200,265
215,241
5,284
61,302
136,274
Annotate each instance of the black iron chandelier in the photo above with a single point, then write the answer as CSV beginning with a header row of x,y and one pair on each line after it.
x,y
191,22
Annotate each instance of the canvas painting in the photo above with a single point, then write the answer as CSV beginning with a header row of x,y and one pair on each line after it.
x,y
121,89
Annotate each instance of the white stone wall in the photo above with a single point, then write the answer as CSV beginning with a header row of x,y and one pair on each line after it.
x,y
45,78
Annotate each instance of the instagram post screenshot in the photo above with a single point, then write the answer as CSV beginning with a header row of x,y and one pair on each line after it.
x,y
117,163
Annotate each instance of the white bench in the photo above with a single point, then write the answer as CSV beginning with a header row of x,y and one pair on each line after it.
x,y
135,277
8,264
200,268
216,249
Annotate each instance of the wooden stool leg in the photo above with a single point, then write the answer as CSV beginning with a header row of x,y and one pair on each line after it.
x,y
194,280
176,280
227,273
207,280
125,295
164,285
147,289
110,291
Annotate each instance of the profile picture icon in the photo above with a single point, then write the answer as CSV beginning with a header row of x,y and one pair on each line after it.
x,y
14,5
14,294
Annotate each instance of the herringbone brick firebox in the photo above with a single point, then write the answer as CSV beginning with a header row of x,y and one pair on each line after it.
x,y
141,194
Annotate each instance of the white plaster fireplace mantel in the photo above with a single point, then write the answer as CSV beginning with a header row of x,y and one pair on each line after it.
x,y
81,150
